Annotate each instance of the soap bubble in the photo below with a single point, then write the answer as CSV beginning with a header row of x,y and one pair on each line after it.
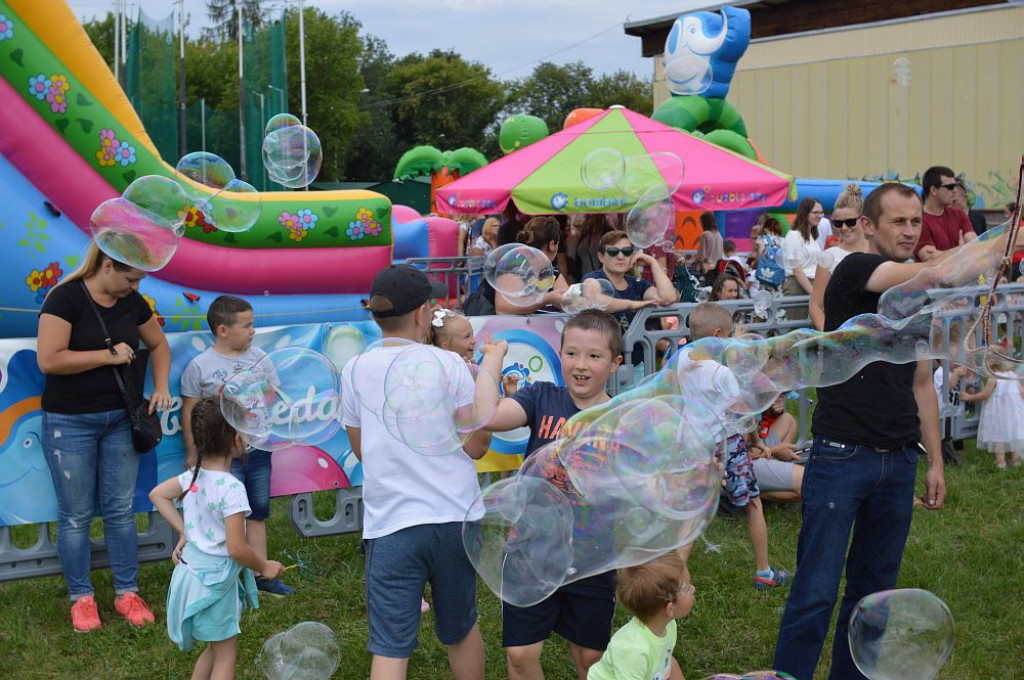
x,y
587,294
649,220
752,675
689,74
142,227
522,545
492,260
904,634
427,405
292,156
280,121
343,343
307,651
234,208
603,169
662,169
523,276
204,168
368,367
291,396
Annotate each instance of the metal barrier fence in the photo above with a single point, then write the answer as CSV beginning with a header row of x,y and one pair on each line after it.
x,y
157,540
450,271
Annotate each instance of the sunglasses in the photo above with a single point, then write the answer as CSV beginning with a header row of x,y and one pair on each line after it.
x,y
612,251
951,187
850,223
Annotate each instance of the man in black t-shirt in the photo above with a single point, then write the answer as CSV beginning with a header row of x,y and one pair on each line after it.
x,y
863,461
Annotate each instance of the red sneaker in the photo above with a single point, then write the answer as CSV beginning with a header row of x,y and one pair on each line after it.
x,y
84,615
134,608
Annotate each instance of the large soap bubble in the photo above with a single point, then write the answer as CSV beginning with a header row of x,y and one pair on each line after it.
x,y
689,74
492,260
307,651
522,546
428,405
603,169
651,218
291,396
637,471
292,156
904,634
587,294
662,169
752,675
233,205
204,168
142,227
523,276
280,121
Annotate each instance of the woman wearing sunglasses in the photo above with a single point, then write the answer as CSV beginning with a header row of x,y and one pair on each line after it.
x,y
619,259
846,223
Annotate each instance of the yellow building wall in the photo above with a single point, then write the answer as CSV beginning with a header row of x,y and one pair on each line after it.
x,y
845,103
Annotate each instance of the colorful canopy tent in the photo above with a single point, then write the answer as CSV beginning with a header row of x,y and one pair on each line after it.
x,y
545,177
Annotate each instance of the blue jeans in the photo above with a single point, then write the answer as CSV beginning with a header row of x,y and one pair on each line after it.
x,y
845,486
253,470
92,461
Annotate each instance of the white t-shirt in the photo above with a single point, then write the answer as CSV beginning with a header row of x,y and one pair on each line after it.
x,y
835,256
824,231
800,254
710,384
403,488
218,495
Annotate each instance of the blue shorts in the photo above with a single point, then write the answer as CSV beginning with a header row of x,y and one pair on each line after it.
x,y
740,482
581,612
398,566
254,470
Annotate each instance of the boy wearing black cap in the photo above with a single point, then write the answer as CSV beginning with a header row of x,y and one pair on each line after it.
x,y
414,504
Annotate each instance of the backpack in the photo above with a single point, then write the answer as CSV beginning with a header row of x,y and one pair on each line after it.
x,y
478,305
769,271
686,281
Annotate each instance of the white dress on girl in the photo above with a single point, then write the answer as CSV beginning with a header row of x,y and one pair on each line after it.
x,y
1002,416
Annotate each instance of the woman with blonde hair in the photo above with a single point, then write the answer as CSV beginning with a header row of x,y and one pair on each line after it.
x,y
87,439
846,222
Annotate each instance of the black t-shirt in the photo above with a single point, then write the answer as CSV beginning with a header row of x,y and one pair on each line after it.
x,y
635,290
876,407
95,390
978,221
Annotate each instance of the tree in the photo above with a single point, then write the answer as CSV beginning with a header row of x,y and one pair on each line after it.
x,y
621,87
224,15
333,83
374,153
442,99
552,91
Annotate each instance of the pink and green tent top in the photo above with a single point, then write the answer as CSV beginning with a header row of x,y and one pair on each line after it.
x,y
545,177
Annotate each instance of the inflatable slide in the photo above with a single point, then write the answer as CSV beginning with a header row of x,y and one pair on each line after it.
x,y
69,139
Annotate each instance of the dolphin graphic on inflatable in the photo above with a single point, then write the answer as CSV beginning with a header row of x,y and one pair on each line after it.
x,y
702,50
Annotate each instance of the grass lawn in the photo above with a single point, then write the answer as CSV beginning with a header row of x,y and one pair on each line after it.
x,y
971,554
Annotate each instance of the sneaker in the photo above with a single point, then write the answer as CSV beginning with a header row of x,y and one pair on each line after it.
x,y
424,606
271,586
134,608
84,615
779,577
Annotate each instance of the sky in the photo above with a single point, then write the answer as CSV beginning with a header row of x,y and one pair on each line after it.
x,y
509,36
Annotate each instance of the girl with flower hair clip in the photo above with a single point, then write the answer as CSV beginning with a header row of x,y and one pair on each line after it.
x,y
450,330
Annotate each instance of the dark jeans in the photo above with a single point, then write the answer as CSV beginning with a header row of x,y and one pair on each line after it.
x,y
845,486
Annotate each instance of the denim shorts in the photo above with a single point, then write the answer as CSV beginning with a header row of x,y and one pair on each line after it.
x,y
398,566
254,470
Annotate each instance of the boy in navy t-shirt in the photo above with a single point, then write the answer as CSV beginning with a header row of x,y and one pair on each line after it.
x,y
582,611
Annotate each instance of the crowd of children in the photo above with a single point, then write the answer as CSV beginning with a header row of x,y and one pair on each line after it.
x,y
415,505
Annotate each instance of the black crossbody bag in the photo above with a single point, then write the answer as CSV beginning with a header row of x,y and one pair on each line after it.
x,y
146,430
